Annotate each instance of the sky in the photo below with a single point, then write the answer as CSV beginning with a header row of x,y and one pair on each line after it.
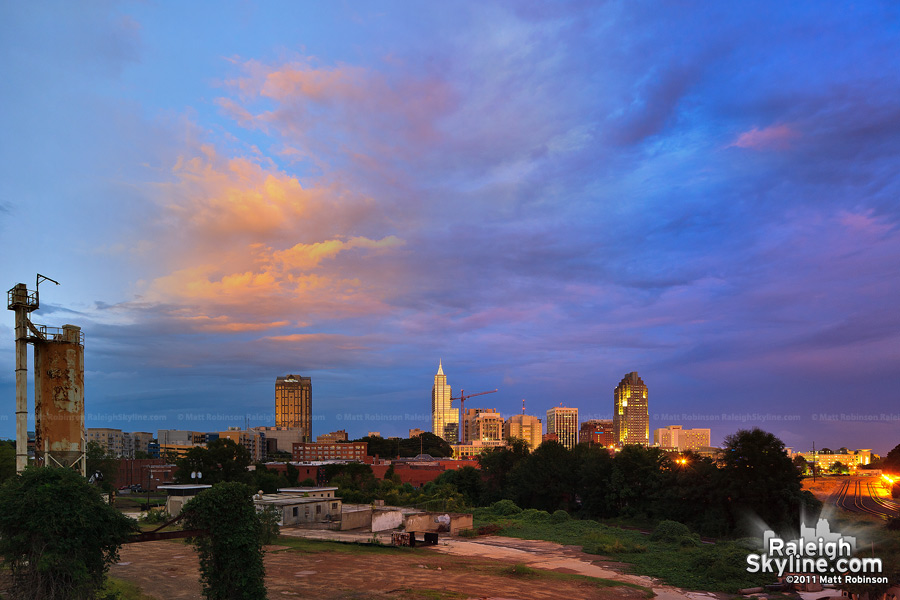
x,y
543,196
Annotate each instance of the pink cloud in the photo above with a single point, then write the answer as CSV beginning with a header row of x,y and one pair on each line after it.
x,y
776,137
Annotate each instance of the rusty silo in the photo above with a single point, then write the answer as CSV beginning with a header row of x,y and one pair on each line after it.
x,y
59,397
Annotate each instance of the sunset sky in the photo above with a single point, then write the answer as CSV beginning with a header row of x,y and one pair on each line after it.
x,y
544,196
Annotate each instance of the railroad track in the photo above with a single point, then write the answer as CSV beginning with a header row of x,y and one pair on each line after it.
x,y
855,497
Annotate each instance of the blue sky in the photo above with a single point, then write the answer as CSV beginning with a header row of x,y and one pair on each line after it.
x,y
545,196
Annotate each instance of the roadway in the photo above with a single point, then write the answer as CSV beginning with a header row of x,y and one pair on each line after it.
x,y
868,495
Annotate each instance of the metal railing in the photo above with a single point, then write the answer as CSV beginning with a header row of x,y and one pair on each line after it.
x,y
59,334
21,297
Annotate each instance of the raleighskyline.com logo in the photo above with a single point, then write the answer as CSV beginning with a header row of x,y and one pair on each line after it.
x,y
818,555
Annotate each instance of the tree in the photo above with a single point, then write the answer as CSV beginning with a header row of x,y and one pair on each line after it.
x,y
7,460
425,443
838,468
639,476
57,535
220,460
99,459
546,479
496,465
231,554
801,464
760,480
891,462
468,482
595,467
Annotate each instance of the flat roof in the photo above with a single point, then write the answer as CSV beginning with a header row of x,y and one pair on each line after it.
x,y
293,500
303,490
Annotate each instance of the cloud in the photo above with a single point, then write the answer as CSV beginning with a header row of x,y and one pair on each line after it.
x,y
776,137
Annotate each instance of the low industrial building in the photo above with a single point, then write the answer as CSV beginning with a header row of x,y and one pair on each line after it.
x,y
297,509
177,495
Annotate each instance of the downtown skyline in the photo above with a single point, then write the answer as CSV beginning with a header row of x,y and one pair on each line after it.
x,y
544,197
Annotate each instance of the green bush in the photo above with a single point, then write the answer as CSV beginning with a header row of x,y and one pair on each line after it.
x,y
154,516
57,535
670,531
505,508
559,516
268,525
231,555
533,514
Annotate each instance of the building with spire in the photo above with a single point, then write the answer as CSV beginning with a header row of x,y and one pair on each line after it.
x,y
444,419
631,420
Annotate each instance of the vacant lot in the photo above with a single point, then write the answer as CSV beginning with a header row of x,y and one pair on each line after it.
x,y
307,569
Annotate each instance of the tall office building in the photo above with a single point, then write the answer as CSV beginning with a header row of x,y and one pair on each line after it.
x,y
481,424
631,421
293,404
444,419
563,422
526,427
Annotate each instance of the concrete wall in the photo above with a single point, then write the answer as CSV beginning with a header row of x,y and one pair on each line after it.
x,y
312,512
384,519
356,519
460,522
423,522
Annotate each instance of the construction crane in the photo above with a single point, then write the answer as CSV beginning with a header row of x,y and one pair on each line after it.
x,y
462,412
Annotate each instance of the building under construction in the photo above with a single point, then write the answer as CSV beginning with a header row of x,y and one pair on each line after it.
x,y
58,386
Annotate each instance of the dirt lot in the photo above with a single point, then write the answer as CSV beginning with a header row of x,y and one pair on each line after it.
x,y
168,570
823,487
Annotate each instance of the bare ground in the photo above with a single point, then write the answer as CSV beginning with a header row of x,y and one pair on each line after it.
x,y
169,570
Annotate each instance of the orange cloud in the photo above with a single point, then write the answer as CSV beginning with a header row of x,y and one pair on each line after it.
x,y
223,324
775,136
248,248
383,112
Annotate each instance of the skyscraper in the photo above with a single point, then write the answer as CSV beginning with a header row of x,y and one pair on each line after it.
x,y
526,427
444,419
631,421
293,404
564,423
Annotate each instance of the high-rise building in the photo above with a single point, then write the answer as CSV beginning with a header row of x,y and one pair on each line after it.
x,y
444,419
293,404
597,431
675,437
251,439
563,422
481,424
631,421
525,427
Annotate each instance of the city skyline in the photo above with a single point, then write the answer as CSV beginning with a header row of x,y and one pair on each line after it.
x,y
545,196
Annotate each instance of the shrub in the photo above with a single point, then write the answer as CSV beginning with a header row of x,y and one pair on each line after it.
x,y
154,516
268,525
489,529
231,555
533,514
505,508
559,516
670,531
57,535
522,571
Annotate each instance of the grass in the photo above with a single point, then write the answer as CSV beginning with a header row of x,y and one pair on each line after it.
x,y
717,568
119,589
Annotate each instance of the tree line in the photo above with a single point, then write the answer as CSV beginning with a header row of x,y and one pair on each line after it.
x,y
753,479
